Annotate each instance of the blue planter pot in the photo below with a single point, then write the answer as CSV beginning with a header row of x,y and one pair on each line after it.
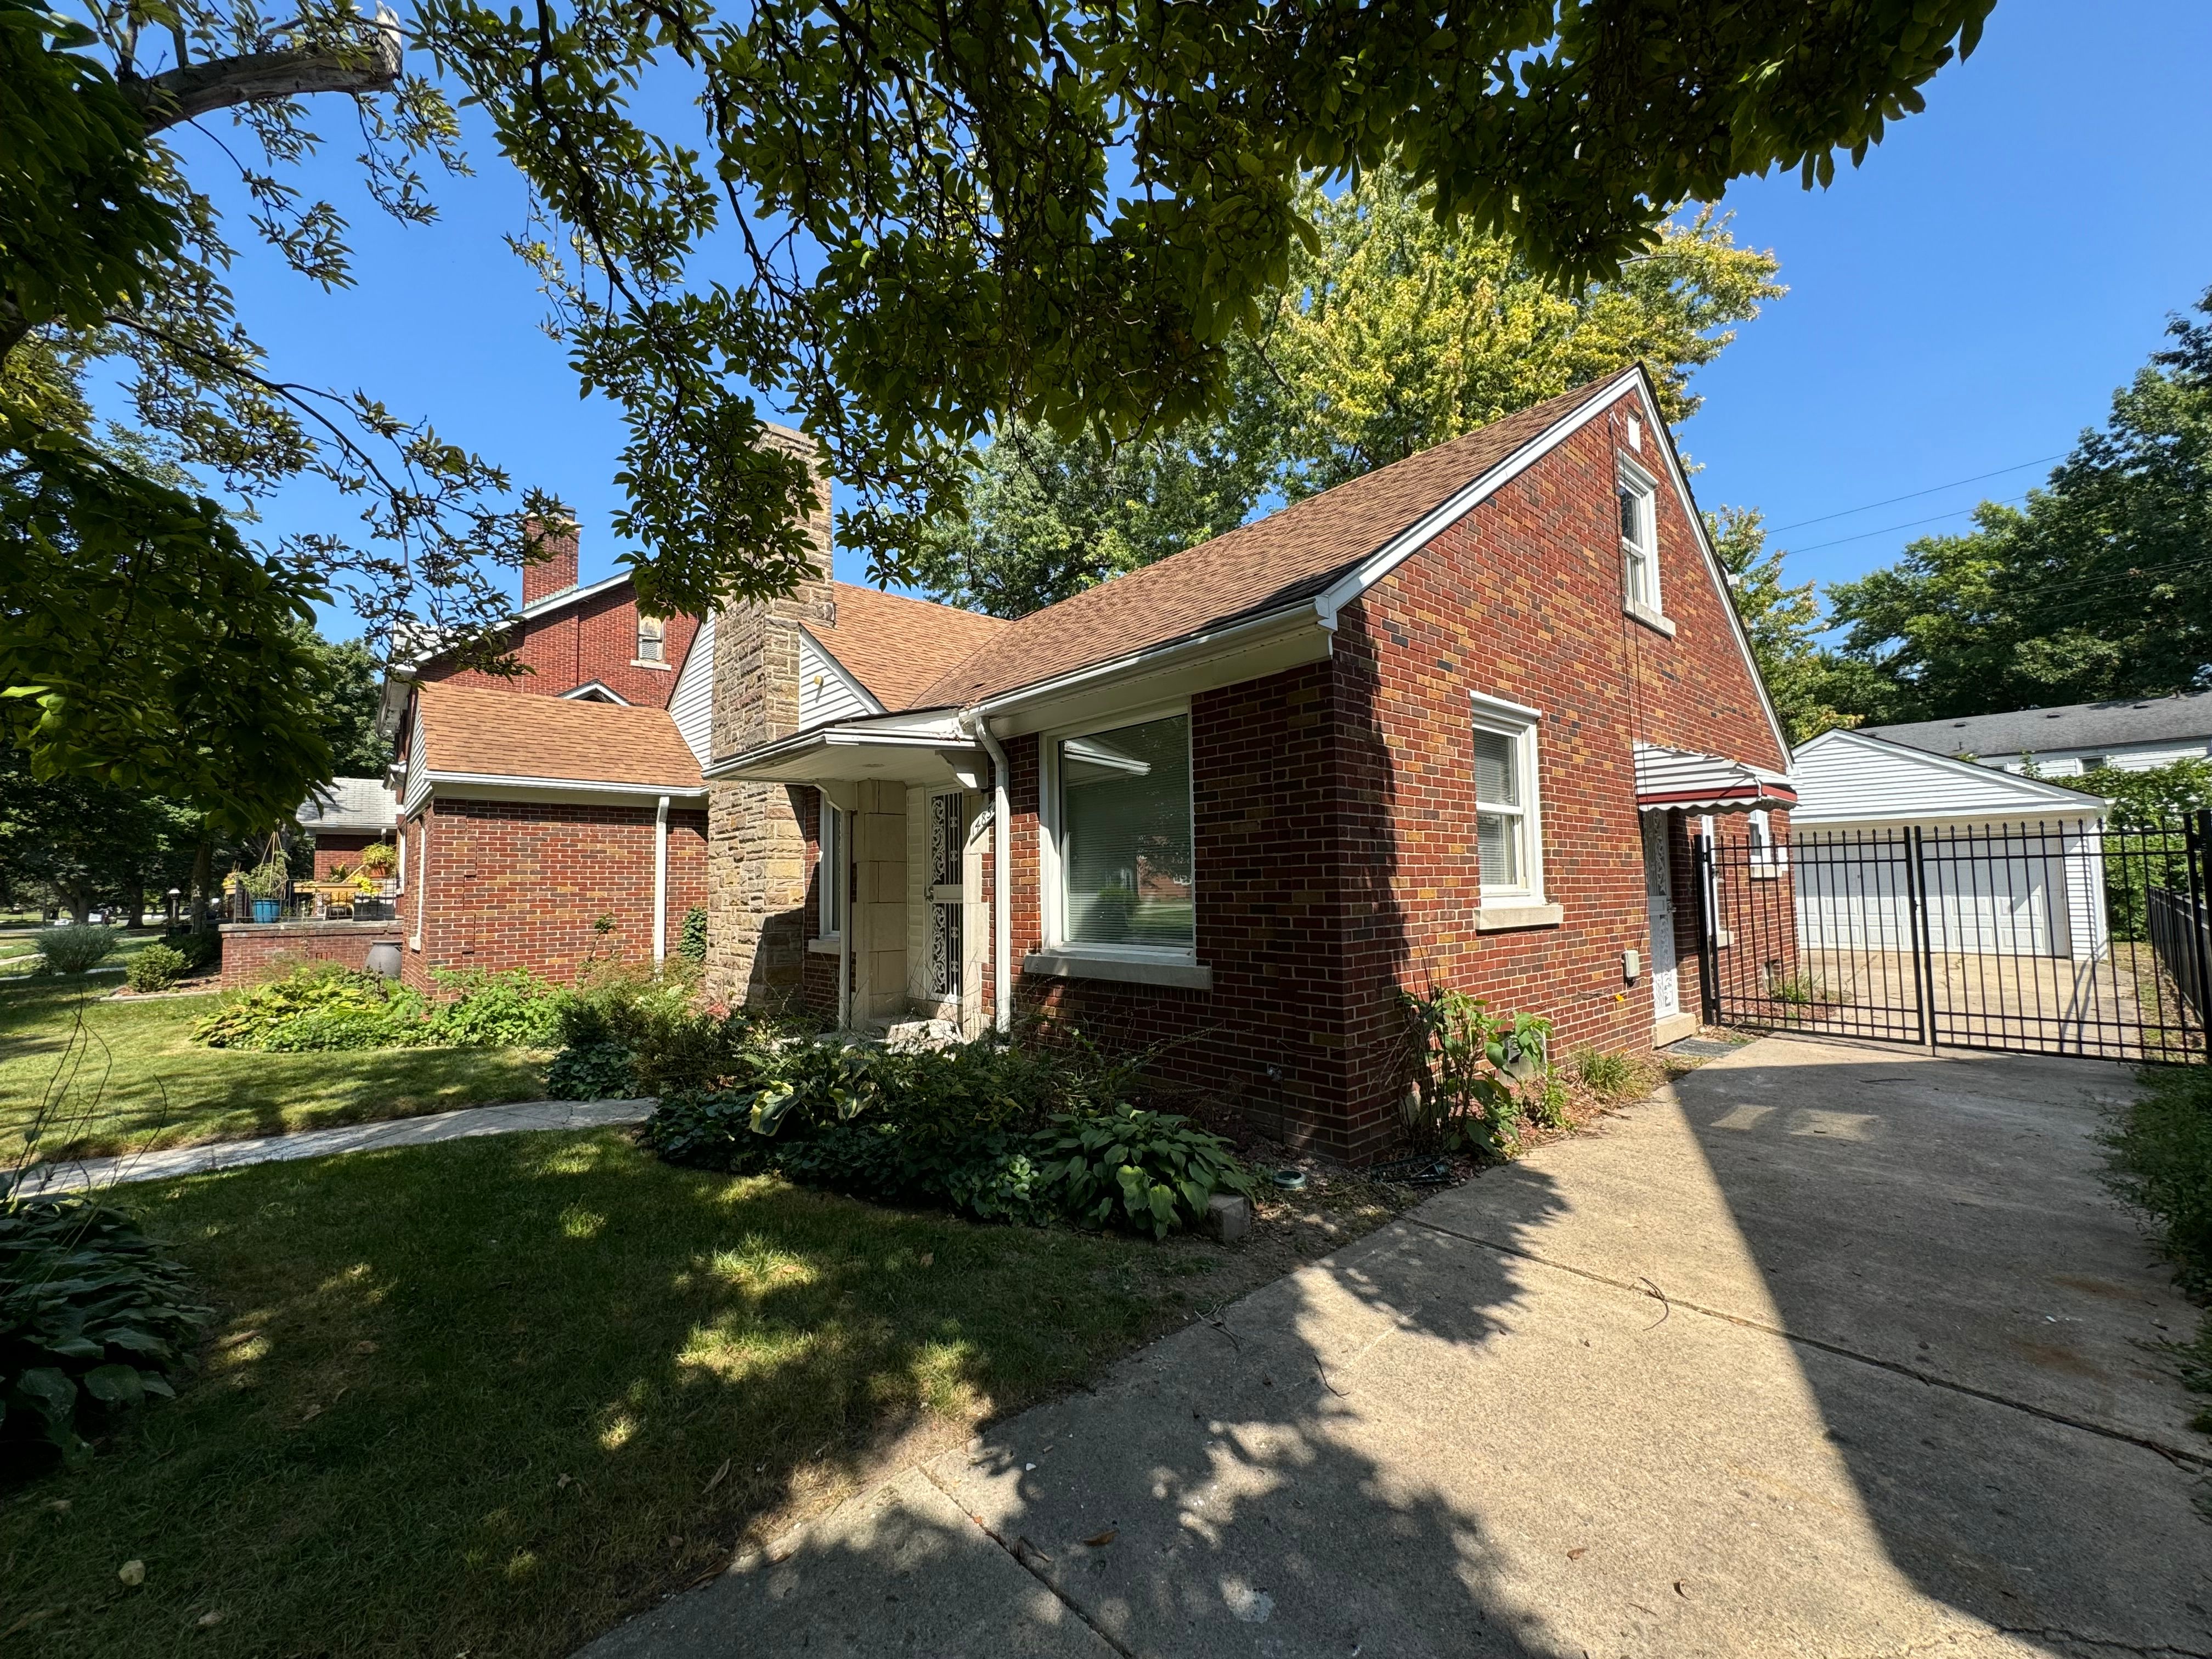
x,y
268,910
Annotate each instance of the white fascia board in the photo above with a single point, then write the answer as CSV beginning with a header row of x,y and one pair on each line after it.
x,y
934,730
553,601
845,677
1251,649
595,689
476,786
2034,789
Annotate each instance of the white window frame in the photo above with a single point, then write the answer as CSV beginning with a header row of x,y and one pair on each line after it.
x,y
1519,723
1052,893
658,639
828,870
1635,481
1769,857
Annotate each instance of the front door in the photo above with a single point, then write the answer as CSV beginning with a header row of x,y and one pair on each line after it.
x,y
1659,896
948,846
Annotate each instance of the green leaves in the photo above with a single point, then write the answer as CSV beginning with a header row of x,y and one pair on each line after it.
x,y
1149,1171
1452,1102
93,1316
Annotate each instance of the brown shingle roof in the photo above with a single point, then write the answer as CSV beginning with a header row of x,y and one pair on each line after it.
x,y
1290,556
896,647
505,734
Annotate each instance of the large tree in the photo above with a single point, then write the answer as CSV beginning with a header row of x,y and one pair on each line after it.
x,y
1389,335
2100,587
910,224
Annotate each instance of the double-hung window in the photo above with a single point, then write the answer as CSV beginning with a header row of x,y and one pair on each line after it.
x,y
1122,834
1640,541
830,874
1508,827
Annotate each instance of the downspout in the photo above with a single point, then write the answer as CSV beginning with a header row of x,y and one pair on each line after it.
x,y
1002,979
422,876
660,882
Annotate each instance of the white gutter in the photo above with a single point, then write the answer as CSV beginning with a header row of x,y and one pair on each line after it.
x,y
1002,979
574,786
660,883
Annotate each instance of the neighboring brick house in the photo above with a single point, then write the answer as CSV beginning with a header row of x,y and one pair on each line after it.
x,y
1447,724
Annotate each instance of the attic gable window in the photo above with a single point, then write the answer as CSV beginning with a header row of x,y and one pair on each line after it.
x,y
1640,540
652,639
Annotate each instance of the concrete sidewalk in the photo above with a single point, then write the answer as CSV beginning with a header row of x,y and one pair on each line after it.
x,y
515,1118
1835,1351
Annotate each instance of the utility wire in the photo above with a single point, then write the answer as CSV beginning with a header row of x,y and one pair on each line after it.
x,y
2009,501
1911,496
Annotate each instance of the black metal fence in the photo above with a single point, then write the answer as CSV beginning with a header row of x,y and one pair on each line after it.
x,y
2062,937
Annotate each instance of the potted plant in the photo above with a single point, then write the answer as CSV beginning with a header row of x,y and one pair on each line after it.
x,y
379,859
266,885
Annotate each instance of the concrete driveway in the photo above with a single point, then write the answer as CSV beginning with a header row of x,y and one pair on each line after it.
x,y
1834,1349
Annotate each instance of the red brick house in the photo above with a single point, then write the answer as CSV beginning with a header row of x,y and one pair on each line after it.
x,y
1448,723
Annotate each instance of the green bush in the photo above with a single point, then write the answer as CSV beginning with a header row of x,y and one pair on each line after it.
x,y
201,951
2161,1161
93,1318
511,1009
998,1130
1150,1171
156,968
76,949
319,1006
596,1070
1477,1076
691,943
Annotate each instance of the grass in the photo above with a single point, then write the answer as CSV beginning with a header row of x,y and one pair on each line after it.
x,y
2161,1161
491,1396
136,1080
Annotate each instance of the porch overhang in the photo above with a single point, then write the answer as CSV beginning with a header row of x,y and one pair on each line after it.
x,y
1683,780
929,747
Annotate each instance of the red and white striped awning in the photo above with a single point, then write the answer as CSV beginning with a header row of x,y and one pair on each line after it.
x,y
1683,780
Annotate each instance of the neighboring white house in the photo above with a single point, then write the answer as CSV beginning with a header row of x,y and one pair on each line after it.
x,y
2010,865
2066,742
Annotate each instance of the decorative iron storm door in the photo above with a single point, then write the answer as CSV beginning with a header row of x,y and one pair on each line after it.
x,y
948,842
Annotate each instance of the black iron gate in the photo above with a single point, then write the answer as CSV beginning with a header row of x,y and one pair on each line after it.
x,y
2062,938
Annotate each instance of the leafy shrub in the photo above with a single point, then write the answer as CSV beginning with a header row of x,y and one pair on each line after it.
x,y
93,1318
1004,1180
319,1006
2161,1162
691,943
597,1071
1476,1075
1150,1171
75,949
156,968
201,951
511,1009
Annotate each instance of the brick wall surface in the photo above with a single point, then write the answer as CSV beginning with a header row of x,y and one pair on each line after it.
x,y
332,850
594,640
519,885
254,952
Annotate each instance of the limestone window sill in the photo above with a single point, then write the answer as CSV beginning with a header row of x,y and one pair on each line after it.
x,y
669,667
1070,963
1651,619
826,947
1509,918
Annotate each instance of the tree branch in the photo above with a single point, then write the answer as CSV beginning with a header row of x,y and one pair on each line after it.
x,y
192,90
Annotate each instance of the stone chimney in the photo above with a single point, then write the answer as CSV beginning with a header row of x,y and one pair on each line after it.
x,y
756,856
555,570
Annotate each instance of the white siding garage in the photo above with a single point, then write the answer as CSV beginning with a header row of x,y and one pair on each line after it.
x,y
2012,866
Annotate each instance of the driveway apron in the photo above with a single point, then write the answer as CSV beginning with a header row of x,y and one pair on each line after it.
x,y
1829,1350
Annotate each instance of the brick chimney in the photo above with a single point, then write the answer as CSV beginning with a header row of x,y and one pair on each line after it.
x,y
553,571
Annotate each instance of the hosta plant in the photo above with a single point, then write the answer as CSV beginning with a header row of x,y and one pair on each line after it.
x,y
95,1318
1150,1171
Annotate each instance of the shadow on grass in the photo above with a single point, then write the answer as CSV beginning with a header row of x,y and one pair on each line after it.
x,y
491,1395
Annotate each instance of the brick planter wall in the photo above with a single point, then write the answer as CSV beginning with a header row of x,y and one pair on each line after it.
x,y
253,952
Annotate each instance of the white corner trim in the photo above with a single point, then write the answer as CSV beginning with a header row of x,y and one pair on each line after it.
x,y
1064,963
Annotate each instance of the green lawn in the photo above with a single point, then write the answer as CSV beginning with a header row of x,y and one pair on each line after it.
x,y
133,1078
490,1396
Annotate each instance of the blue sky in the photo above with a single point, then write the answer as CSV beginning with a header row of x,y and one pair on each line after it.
x,y
1966,302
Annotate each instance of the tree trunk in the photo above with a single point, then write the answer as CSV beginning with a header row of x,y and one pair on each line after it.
x,y
203,874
